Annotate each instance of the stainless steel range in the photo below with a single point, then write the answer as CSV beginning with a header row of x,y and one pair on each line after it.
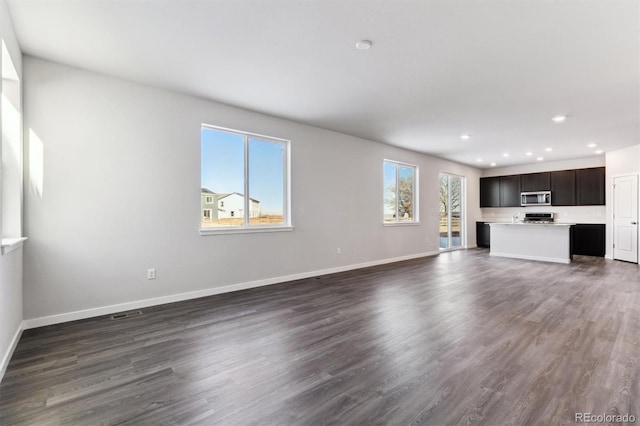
x,y
538,218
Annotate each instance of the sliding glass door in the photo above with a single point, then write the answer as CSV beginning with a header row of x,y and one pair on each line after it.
x,y
451,211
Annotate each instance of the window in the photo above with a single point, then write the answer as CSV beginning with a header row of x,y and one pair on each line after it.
x,y
250,173
208,199
11,168
206,214
400,189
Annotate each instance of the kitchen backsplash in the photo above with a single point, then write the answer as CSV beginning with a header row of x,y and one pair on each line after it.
x,y
567,214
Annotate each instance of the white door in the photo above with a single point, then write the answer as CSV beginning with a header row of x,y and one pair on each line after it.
x,y
625,218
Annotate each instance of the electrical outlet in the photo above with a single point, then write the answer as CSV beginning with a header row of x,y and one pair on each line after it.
x,y
338,250
151,274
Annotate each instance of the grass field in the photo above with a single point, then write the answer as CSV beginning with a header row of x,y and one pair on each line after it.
x,y
239,221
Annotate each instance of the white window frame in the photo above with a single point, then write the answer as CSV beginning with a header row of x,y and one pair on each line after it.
x,y
416,179
286,182
204,216
208,199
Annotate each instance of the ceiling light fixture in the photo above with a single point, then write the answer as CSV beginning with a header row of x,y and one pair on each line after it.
x,y
364,45
559,119
528,153
506,154
592,145
479,160
540,158
465,137
493,164
548,149
599,151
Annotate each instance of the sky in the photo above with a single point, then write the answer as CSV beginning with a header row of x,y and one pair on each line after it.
x,y
222,167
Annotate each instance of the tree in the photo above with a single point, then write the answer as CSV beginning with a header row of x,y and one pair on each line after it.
x,y
444,195
403,198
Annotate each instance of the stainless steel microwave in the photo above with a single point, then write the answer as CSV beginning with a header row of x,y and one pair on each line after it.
x,y
540,198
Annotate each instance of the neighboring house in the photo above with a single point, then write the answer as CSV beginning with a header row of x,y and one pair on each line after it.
x,y
208,204
214,206
232,205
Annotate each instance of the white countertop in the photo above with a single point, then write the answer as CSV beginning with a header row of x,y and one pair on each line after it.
x,y
555,224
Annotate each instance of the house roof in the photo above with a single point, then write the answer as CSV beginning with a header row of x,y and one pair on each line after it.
x,y
242,195
222,195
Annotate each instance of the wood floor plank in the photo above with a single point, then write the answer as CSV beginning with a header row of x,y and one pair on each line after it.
x,y
461,338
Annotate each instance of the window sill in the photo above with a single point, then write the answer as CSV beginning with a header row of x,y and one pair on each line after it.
x,y
392,224
225,231
12,244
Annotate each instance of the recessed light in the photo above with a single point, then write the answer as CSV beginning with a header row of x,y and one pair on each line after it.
x,y
493,164
506,154
592,145
364,45
599,151
559,119
465,137
540,158
479,160
528,153
548,149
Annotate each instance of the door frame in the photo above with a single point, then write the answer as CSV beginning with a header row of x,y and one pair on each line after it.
x,y
463,212
611,216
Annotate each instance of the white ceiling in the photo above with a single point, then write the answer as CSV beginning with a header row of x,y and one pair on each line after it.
x,y
497,69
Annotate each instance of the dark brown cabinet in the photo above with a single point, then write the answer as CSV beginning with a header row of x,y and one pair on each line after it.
x,y
590,187
588,239
483,234
581,187
490,192
563,188
533,182
510,191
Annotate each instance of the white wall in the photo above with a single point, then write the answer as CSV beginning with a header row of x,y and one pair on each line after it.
x,y
11,263
122,194
568,214
620,162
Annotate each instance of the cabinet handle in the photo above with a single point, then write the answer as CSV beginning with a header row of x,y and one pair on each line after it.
x,y
634,223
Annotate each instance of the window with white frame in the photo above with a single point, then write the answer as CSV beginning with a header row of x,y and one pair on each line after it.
x,y
400,192
11,165
244,172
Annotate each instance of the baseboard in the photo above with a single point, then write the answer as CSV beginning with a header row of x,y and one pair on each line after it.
x,y
138,304
608,256
12,347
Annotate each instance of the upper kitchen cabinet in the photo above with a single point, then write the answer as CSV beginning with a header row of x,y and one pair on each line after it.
x,y
490,192
563,188
590,187
510,191
533,182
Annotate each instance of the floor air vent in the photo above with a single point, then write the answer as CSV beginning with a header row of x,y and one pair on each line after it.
x,y
123,315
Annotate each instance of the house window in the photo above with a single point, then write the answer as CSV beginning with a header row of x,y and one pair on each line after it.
x,y
249,175
11,164
208,199
206,214
400,192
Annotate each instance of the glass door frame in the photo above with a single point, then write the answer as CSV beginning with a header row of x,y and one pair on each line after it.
x,y
463,212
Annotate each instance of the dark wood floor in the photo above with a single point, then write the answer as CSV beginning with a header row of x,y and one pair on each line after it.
x,y
455,339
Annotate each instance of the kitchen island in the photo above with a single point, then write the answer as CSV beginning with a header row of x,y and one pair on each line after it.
x,y
549,242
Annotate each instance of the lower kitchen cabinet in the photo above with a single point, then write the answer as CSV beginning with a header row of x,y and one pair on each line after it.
x,y
589,239
483,236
